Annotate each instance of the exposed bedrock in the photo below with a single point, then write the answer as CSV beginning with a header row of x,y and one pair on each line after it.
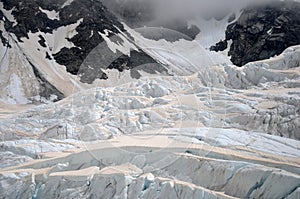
x,y
262,31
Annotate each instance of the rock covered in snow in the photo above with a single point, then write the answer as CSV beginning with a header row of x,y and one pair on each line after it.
x,y
262,31
187,124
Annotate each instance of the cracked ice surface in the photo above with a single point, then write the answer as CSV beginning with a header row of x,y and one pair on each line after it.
x,y
229,132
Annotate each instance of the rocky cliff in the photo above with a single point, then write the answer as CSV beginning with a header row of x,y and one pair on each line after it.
x,y
148,112
262,31
52,40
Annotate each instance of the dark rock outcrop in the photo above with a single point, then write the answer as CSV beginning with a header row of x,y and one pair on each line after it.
x,y
101,58
138,60
3,39
47,89
42,41
95,17
262,32
31,18
222,45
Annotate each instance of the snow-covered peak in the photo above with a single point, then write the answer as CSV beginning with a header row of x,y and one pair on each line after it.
x,y
124,105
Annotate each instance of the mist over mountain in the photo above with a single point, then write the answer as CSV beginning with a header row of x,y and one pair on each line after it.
x,y
149,99
262,31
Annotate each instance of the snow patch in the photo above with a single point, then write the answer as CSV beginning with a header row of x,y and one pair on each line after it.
x,y
58,39
16,90
50,14
67,2
125,46
8,14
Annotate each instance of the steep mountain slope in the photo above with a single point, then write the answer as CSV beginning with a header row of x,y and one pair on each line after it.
x,y
145,112
53,50
163,134
51,41
262,31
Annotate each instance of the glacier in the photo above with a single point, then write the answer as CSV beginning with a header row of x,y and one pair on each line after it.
x,y
162,136
187,123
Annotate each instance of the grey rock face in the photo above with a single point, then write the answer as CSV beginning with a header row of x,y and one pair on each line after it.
x,y
262,32
65,38
95,17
